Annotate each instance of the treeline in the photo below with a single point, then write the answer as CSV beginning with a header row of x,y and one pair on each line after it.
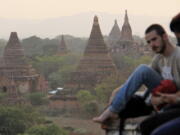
x,y
36,46
56,69
41,53
24,120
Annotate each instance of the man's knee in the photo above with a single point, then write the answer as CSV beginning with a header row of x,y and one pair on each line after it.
x,y
143,68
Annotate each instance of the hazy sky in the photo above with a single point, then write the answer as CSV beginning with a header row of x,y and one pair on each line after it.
x,y
48,18
43,9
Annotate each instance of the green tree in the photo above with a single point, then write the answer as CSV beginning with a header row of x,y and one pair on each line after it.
x,y
45,130
56,69
91,108
2,96
16,119
85,96
37,98
104,89
46,64
87,102
68,65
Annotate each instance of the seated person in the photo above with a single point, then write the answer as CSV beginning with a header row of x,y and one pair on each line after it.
x,y
165,122
164,66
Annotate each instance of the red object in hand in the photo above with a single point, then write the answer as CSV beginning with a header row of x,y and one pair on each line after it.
x,y
166,86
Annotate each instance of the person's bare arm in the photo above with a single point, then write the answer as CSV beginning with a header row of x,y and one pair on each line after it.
x,y
170,98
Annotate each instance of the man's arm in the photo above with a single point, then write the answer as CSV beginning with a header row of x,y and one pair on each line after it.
x,y
170,98
165,98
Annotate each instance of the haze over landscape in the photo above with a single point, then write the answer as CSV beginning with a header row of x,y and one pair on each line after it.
x,y
61,61
54,17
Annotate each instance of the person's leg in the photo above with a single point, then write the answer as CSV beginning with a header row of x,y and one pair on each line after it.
x,y
170,128
142,75
105,115
154,121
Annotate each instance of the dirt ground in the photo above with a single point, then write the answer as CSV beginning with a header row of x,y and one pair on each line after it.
x,y
88,126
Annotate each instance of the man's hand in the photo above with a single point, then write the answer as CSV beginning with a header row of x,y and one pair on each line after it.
x,y
169,98
156,100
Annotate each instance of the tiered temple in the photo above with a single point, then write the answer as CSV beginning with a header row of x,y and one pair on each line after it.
x,y
62,48
16,68
95,65
125,44
114,35
126,32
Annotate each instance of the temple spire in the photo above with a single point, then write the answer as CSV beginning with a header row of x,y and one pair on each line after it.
x,y
126,33
96,41
115,33
95,32
13,52
62,49
96,20
126,20
13,39
115,22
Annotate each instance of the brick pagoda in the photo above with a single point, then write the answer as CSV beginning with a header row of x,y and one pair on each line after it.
x,y
95,65
16,66
114,35
62,48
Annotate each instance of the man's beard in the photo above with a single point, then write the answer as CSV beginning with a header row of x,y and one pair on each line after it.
x,y
163,47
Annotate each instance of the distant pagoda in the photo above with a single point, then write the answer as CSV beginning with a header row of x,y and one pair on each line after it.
x,y
14,53
115,34
62,48
95,65
10,91
125,45
126,32
15,65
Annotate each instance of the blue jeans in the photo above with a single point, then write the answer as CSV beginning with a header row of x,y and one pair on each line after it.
x,y
143,75
170,128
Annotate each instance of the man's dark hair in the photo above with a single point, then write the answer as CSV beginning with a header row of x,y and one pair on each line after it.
x,y
175,23
157,27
